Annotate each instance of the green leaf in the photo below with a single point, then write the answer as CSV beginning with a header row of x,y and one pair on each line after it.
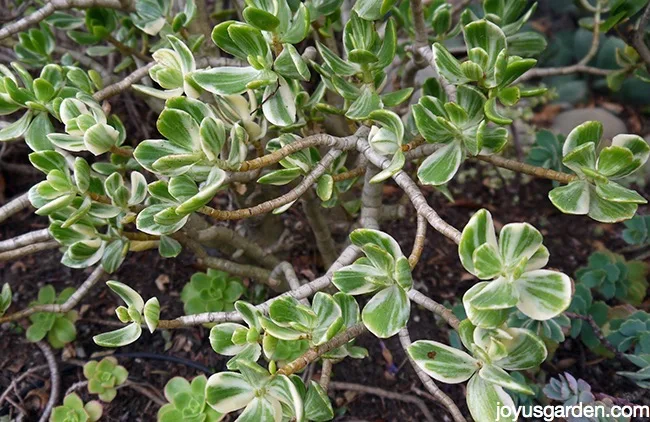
x,y
543,294
169,247
100,138
613,192
151,314
395,98
146,223
290,64
221,339
207,191
249,39
367,102
128,295
114,254
120,337
448,66
441,166
518,241
325,187
373,10
387,312
317,404
573,198
230,80
443,363
184,54
478,231
361,237
260,19
588,132
487,36
487,261
280,177
497,294
615,163
525,350
226,392
16,129
608,211
36,134
484,399
493,113
329,318
483,318
280,104
497,376
337,64
396,164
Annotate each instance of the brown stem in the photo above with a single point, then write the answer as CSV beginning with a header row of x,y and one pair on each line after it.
x,y
126,50
418,244
316,352
598,332
325,374
527,168
421,38
320,228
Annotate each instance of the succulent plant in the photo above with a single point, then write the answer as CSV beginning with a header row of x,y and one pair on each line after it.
x,y
550,329
568,390
631,333
58,328
187,402
583,304
74,410
104,376
613,276
212,291
636,230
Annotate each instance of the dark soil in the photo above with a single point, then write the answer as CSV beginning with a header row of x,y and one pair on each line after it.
x,y
439,274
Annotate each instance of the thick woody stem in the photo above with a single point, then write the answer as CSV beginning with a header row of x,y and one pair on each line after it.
x,y
316,352
325,374
216,235
14,206
28,250
370,200
25,240
72,301
347,257
418,23
55,5
520,167
431,386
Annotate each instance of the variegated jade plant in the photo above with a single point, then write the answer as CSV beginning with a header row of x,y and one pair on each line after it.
x,y
308,103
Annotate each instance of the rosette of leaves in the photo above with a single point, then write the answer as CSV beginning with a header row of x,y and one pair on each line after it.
x,y
86,126
631,333
37,96
212,291
461,129
104,377
134,313
514,264
568,390
173,71
187,402
547,151
594,192
583,304
493,353
613,277
242,342
385,272
264,397
73,409
636,230
302,163
511,16
488,66
630,64
35,46
278,76
5,298
58,328
366,56
551,330
89,230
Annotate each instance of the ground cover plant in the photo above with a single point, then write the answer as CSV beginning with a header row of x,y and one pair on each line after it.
x,y
191,133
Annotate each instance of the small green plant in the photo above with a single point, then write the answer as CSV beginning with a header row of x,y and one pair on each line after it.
x,y
612,276
104,377
74,410
187,401
631,333
212,291
550,330
594,192
636,230
584,304
547,151
58,328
